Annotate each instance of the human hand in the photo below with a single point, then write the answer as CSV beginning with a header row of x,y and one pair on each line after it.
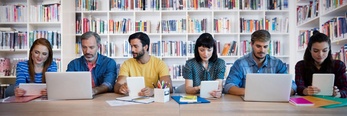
x,y
19,92
124,89
216,93
44,92
336,92
146,92
311,90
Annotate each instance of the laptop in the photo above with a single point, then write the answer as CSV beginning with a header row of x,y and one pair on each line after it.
x,y
69,85
268,87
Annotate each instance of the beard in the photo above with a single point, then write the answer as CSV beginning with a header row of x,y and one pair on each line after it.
x,y
139,54
90,58
259,58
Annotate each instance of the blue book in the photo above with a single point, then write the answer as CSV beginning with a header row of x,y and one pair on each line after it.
x,y
199,100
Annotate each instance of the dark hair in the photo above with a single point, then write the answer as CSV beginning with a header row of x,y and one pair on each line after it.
x,y
205,40
309,62
260,35
89,34
48,62
142,36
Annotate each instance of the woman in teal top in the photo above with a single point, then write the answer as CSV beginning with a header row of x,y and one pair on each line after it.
x,y
204,66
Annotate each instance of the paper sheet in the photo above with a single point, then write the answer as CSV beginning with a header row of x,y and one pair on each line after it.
x,y
119,103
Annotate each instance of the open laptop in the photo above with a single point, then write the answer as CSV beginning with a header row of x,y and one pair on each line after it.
x,y
268,87
69,85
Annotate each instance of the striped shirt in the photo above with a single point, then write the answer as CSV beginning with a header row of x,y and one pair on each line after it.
x,y
340,76
23,75
246,64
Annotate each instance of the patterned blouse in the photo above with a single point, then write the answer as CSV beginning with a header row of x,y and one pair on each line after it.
x,y
195,71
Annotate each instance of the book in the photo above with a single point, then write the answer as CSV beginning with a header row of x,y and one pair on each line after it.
x,y
198,100
299,101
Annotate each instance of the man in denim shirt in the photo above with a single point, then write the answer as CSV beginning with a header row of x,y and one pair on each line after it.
x,y
103,69
258,61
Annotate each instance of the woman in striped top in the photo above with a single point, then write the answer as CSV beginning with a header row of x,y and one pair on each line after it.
x,y
33,70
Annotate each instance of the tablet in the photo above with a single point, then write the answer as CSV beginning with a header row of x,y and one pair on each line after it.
x,y
325,82
32,88
206,87
135,84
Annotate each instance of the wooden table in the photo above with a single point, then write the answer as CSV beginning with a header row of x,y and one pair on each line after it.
x,y
227,105
234,105
95,107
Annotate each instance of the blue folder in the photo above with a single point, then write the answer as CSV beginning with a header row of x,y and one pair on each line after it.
x,y
199,100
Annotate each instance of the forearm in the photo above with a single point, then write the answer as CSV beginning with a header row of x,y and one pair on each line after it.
x,y
300,90
192,90
100,89
237,91
116,88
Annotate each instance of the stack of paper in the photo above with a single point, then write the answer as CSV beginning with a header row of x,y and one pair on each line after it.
x,y
188,98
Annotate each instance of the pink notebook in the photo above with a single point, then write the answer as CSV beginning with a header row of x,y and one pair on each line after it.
x,y
299,101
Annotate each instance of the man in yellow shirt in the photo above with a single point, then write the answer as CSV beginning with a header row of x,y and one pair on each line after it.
x,y
142,64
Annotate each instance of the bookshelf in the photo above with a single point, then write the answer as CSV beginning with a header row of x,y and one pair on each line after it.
x,y
327,16
181,22
31,19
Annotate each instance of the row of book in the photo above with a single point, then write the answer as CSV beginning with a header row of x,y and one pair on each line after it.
x,y
92,24
341,54
335,28
143,26
304,36
277,24
150,5
308,11
180,48
87,5
250,25
54,37
8,66
13,40
45,13
176,71
13,13
174,26
332,4
222,25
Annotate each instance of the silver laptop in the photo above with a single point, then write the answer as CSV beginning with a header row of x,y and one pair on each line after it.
x,y
69,85
268,87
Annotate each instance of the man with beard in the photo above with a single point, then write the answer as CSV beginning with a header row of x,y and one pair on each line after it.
x,y
142,64
258,61
103,69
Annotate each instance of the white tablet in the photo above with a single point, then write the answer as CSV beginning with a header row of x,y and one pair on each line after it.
x,y
32,88
325,82
135,84
206,87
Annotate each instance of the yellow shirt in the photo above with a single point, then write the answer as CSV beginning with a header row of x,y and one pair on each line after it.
x,y
151,71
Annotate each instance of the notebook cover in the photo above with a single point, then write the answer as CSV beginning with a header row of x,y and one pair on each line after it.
x,y
23,99
199,100
299,101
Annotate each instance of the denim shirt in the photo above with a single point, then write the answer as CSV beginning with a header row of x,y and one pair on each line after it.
x,y
104,72
246,64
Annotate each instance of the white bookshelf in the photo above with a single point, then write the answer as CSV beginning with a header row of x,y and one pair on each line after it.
x,y
105,13
65,26
324,14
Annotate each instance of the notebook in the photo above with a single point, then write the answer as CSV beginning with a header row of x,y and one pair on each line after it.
x,y
299,101
69,85
325,82
268,87
207,87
